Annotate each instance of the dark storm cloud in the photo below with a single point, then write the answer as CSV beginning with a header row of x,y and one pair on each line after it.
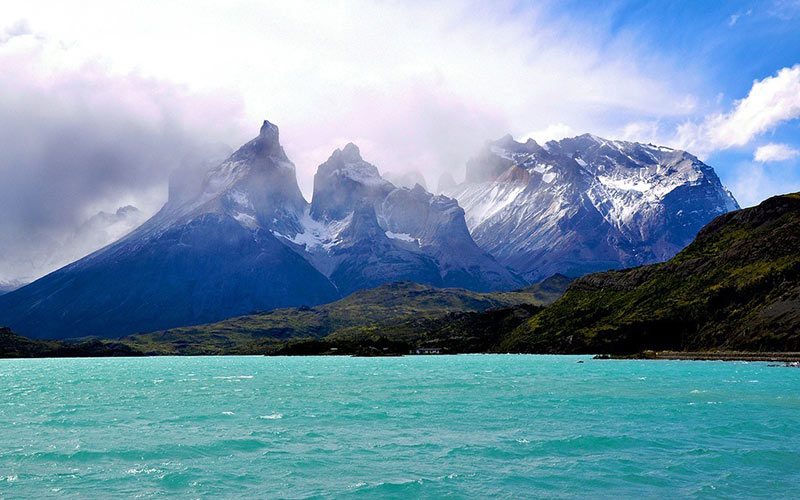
x,y
76,140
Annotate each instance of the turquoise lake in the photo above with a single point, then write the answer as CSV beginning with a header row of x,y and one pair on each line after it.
x,y
421,426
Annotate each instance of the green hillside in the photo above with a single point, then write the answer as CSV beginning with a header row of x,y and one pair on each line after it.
x,y
736,287
16,346
403,309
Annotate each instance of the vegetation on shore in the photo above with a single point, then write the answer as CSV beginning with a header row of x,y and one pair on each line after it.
x,y
405,312
16,346
735,288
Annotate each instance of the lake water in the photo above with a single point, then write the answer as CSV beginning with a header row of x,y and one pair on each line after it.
x,y
425,426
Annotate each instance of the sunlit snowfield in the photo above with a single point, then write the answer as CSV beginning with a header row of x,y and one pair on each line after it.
x,y
431,426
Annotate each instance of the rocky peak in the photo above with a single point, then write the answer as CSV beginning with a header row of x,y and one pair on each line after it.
x,y
265,146
269,132
496,157
343,181
256,185
348,154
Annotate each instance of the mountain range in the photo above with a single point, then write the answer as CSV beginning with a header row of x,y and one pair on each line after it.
x,y
734,293
586,204
245,238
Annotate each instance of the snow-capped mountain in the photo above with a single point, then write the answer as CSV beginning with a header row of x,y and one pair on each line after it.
x,y
361,231
245,239
201,258
586,204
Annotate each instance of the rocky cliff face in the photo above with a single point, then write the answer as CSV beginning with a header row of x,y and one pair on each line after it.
x,y
586,204
344,180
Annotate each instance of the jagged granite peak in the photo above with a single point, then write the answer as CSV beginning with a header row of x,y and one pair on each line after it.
x,y
363,226
586,203
205,258
367,257
352,202
343,181
349,153
430,218
498,156
437,223
256,185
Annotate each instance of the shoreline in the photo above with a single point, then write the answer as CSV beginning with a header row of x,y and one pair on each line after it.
x,y
779,357
791,358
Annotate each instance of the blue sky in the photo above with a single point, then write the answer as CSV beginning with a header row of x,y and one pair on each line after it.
x,y
720,48
147,87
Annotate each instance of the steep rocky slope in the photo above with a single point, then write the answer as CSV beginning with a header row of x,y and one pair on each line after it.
x,y
586,204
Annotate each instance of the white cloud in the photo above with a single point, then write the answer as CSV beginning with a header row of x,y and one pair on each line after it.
x,y
775,152
418,85
552,132
377,72
769,103
642,131
735,17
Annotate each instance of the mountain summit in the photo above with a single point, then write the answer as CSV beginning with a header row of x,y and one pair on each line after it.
x,y
586,204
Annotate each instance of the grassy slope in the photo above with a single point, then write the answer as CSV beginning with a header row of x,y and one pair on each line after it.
x,y
736,287
404,308
16,346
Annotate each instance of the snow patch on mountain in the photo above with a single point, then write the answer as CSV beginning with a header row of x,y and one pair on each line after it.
x,y
246,220
482,201
401,236
316,234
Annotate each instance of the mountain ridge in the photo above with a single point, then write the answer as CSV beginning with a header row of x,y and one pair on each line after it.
x,y
586,204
